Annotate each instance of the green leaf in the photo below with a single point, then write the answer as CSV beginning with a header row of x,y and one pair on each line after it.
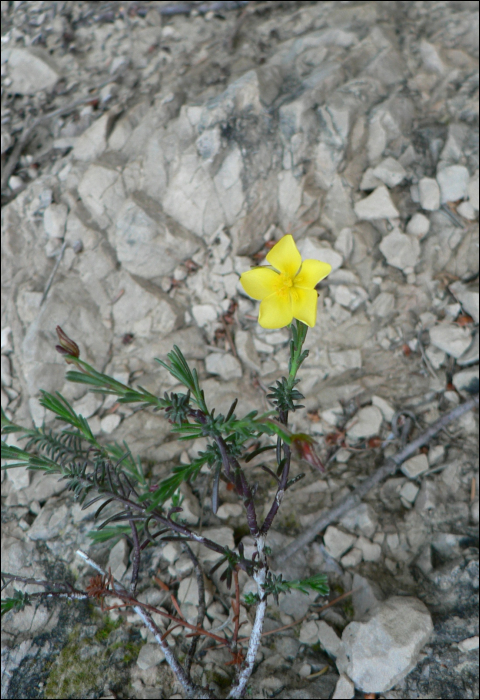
x,y
317,583
169,486
18,602
8,426
180,369
251,598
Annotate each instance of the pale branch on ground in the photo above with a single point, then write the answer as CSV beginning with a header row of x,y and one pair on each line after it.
x,y
353,499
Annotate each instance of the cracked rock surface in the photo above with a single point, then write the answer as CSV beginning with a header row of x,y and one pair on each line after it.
x,y
187,144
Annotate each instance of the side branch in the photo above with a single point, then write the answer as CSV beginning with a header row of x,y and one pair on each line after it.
x,y
191,689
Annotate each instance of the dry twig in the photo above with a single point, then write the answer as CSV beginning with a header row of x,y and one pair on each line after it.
x,y
389,468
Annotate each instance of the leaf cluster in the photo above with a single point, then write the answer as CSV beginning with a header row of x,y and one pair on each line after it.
x,y
284,395
17,602
275,585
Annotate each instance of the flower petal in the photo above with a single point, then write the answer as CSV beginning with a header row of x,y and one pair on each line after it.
x,y
259,282
276,311
285,257
311,273
304,305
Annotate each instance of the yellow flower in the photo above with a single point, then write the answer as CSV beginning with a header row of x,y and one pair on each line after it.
x,y
289,293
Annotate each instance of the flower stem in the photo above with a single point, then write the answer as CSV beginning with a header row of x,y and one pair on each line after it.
x,y
299,333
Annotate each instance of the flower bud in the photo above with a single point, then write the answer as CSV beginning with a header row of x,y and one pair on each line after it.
x,y
67,345
303,445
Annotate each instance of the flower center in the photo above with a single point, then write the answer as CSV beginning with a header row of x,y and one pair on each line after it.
x,y
284,285
285,281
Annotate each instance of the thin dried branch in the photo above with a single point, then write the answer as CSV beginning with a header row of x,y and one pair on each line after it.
x,y
260,577
191,689
201,606
389,468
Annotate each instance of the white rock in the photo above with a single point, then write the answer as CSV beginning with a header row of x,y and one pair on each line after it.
x,y
247,351
171,552
345,359
429,193
225,365
204,314
409,491
344,242
31,70
369,181
470,356
361,520
309,632
6,141
436,455
351,558
473,192
337,542
221,535
453,183
468,298
88,404
209,143
431,58
229,510
6,371
418,225
366,596
289,196
92,143
305,671
328,638
19,477
145,244
469,644
436,356
102,192
344,688
349,297
371,551
387,410
382,306
452,339
260,346
365,423
332,416
415,466
15,182
142,311
427,499
150,655
183,566
188,591
50,522
6,340
466,380
390,172
313,250
118,559
400,250
110,422
54,220
377,205
379,653
466,210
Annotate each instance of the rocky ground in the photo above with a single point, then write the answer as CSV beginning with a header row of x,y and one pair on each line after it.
x,y
178,148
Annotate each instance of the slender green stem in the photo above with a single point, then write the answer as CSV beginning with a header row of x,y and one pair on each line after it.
x,y
299,334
